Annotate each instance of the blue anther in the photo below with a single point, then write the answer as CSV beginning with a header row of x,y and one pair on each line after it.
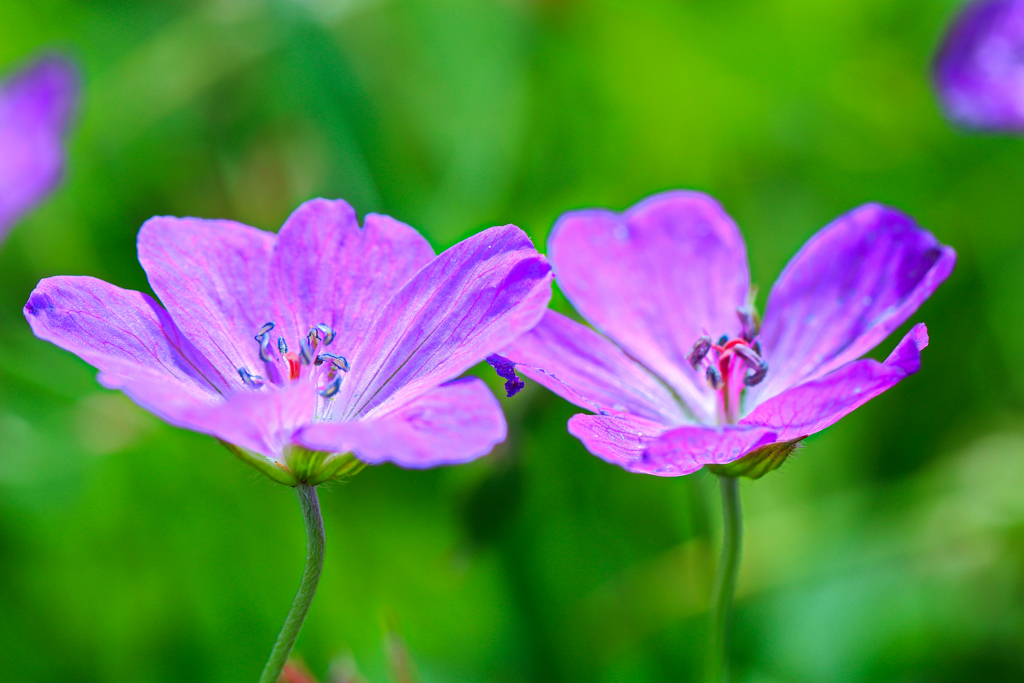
x,y
305,352
714,377
699,351
337,361
264,340
748,323
282,345
326,333
249,379
723,340
332,388
755,376
267,327
758,366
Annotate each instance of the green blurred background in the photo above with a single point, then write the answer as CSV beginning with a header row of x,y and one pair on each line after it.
x,y
890,549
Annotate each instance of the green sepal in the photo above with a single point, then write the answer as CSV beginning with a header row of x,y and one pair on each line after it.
x,y
316,467
271,469
759,462
303,465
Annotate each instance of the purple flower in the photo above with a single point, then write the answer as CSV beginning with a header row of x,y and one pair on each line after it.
x,y
979,70
326,339
35,109
685,374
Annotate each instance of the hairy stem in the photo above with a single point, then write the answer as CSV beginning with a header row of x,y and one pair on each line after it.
x,y
307,588
725,578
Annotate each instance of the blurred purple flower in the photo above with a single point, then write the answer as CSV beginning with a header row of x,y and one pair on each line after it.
x,y
689,377
326,338
979,70
36,105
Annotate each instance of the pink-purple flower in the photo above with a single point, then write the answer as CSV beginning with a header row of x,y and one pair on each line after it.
x,y
303,348
979,70
36,105
682,373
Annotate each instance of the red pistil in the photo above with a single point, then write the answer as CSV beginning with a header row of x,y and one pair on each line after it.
x,y
294,364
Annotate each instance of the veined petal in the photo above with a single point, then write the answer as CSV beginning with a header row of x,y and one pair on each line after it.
x,y
685,450
35,109
586,369
656,278
212,277
813,406
326,269
130,339
454,423
978,70
468,302
845,291
619,439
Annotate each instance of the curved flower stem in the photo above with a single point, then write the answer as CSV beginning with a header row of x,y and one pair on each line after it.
x,y
725,578
310,577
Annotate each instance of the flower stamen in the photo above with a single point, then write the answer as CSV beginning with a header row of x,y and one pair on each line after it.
x,y
340,362
250,380
306,352
327,331
332,387
263,337
699,351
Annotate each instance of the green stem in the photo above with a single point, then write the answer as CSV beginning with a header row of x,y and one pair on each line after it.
x,y
725,578
310,577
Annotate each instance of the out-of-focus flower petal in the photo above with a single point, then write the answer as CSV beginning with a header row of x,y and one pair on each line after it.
x,y
468,302
326,269
454,423
813,406
586,369
35,110
655,279
262,421
212,277
619,439
845,291
130,339
979,73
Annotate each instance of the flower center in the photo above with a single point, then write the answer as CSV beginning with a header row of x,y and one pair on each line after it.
x,y
324,369
731,364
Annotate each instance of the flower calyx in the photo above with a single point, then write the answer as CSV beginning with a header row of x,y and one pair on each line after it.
x,y
302,466
759,461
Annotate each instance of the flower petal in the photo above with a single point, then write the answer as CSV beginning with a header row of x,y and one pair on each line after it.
x,y
130,339
468,302
326,269
656,278
262,421
846,290
454,423
619,439
645,447
586,369
35,109
685,450
978,71
212,277
812,406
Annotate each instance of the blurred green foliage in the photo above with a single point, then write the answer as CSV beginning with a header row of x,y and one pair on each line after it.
x,y
891,548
